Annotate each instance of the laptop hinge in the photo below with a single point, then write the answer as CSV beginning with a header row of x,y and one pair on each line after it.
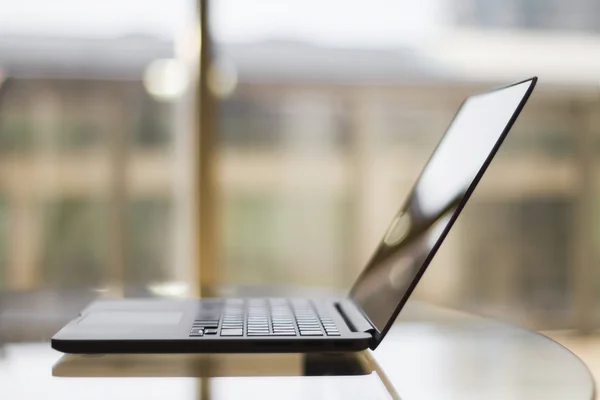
x,y
353,317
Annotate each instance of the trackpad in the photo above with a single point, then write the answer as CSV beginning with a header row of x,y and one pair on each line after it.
x,y
132,318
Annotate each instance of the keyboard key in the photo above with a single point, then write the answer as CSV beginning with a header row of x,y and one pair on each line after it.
x,y
333,333
311,333
197,332
284,333
232,332
208,315
204,325
210,331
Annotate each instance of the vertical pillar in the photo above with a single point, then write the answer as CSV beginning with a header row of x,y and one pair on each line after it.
x,y
118,196
205,198
583,267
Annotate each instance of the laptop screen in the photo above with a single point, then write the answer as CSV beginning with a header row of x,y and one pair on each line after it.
x,y
439,194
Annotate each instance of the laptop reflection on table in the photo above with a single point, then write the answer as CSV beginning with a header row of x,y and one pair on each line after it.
x,y
214,365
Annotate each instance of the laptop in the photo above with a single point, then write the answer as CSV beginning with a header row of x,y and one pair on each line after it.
x,y
302,325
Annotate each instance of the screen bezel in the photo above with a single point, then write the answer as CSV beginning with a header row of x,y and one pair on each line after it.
x,y
379,335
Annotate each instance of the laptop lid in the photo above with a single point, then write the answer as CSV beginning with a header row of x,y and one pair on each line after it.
x,y
437,198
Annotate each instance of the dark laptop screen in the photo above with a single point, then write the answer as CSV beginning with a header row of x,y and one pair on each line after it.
x,y
435,201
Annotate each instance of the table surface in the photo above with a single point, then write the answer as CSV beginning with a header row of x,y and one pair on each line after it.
x,y
430,353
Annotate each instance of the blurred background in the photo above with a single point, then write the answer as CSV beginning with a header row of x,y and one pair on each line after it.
x,y
273,143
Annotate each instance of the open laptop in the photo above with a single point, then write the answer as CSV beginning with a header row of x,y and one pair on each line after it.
x,y
356,322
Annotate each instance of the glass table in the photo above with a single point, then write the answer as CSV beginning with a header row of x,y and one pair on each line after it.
x,y
431,353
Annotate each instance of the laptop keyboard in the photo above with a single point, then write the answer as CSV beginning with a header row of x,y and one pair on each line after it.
x,y
262,317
